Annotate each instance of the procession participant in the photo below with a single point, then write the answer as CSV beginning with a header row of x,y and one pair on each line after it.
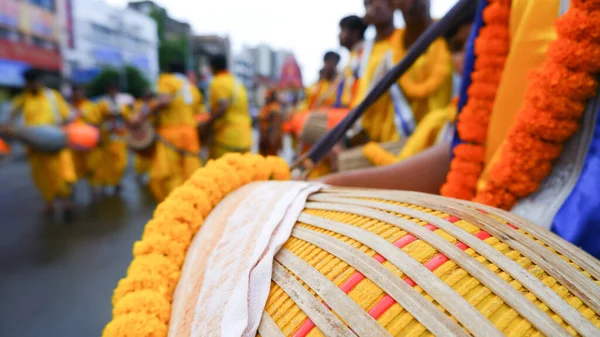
x,y
176,155
143,106
323,92
113,150
352,36
270,125
84,112
230,120
53,173
438,125
426,86
519,154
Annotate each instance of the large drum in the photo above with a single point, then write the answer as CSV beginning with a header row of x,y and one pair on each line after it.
x,y
44,138
82,137
345,262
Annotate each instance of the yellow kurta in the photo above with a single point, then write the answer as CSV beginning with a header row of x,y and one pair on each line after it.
x,y
85,162
176,124
320,94
113,153
233,131
53,173
378,121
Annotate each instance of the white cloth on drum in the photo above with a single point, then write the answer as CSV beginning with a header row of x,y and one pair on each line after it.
x,y
253,224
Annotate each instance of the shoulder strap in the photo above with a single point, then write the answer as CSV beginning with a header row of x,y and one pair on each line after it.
x,y
403,115
186,89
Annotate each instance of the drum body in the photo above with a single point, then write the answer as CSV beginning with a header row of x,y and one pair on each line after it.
x,y
319,122
141,138
82,137
380,263
45,138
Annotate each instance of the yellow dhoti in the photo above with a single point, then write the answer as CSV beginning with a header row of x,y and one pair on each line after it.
x,y
53,174
169,168
141,164
111,163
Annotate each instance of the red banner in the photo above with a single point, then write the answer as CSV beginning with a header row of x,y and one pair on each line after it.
x,y
291,77
36,56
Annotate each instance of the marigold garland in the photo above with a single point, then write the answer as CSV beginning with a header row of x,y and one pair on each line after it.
x,y
377,155
554,103
491,50
142,300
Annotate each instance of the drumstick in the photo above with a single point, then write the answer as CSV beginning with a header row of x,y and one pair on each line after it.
x,y
323,146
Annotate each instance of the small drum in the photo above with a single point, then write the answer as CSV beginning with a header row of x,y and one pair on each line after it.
x,y
353,159
141,138
318,123
351,263
82,137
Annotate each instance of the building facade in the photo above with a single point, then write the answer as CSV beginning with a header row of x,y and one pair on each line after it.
x,y
30,34
102,36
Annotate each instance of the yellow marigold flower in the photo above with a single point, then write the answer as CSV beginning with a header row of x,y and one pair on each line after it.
x,y
146,302
279,168
135,325
377,155
181,211
259,166
144,281
241,165
229,177
154,264
196,196
166,225
211,187
162,245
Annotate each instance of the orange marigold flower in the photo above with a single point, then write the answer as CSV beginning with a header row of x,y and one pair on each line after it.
x,y
258,165
579,25
208,184
557,106
492,46
144,281
492,62
497,12
558,80
467,167
474,132
470,152
483,91
241,166
541,124
457,191
496,197
165,225
520,140
195,196
145,302
588,5
229,178
463,179
580,56
490,75
135,325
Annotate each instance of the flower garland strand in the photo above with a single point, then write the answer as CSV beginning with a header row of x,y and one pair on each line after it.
x,y
142,300
377,155
554,104
491,50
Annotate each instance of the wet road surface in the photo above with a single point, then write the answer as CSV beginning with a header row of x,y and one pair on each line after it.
x,y
57,278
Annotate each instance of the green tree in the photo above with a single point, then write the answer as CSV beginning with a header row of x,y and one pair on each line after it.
x,y
137,84
169,50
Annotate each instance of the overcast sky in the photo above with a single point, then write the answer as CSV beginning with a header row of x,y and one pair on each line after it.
x,y
308,27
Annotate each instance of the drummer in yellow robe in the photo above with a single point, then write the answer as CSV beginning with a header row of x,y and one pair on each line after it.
x,y
230,120
176,155
352,37
113,155
141,163
426,86
323,93
84,112
53,173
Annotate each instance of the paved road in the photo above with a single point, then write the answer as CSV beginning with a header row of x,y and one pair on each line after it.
x,y
56,279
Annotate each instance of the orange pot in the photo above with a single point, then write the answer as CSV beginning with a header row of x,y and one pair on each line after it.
x,y
81,137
